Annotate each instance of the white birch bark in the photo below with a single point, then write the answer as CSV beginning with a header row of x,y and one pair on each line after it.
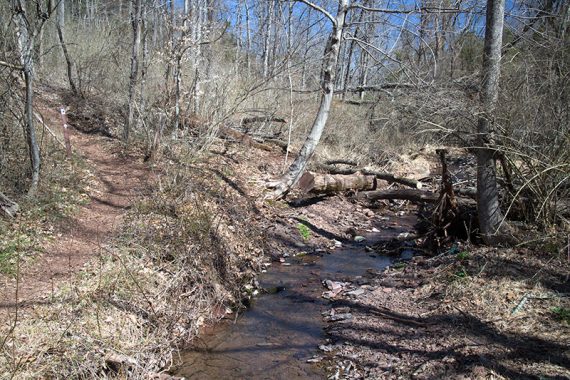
x,y
25,46
330,58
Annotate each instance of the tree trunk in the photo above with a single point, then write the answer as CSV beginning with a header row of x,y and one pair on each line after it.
x,y
327,184
60,25
25,45
350,54
248,39
488,208
267,38
136,24
330,58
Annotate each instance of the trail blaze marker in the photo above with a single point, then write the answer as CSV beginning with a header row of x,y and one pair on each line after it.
x,y
65,132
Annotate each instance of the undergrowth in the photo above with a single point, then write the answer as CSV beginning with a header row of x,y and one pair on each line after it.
x,y
185,258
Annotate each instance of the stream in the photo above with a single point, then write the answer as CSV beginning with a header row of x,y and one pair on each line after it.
x,y
283,327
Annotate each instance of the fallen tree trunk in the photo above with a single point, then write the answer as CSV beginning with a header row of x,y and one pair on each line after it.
x,y
390,178
403,194
8,207
393,179
409,195
281,144
255,119
341,161
243,138
326,183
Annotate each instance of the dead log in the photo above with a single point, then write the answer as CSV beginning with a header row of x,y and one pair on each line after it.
x,y
326,183
281,144
412,195
382,87
243,138
8,207
402,194
390,178
341,161
358,103
261,119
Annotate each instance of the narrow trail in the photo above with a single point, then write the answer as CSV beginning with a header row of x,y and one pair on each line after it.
x,y
80,238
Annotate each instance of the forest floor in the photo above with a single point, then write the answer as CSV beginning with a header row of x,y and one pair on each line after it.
x,y
469,312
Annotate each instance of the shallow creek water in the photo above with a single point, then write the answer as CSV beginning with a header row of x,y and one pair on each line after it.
x,y
274,337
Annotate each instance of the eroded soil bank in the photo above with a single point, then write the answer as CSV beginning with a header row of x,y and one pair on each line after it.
x,y
278,336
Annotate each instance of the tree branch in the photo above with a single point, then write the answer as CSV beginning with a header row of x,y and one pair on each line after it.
x,y
320,9
408,11
11,66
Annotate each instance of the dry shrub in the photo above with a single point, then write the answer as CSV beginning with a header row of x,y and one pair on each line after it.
x,y
534,115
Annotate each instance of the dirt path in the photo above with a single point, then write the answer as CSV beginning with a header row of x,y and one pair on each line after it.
x,y
116,182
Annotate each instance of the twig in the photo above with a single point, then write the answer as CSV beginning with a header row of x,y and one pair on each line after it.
x,y
11,66
521,304
41,120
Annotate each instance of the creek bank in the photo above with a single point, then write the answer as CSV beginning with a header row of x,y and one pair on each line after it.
x,y
279,335
461,315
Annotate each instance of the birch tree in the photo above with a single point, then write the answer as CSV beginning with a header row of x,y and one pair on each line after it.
x,y
25,45
330,58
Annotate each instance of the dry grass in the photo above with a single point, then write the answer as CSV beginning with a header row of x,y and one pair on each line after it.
x,y
185,257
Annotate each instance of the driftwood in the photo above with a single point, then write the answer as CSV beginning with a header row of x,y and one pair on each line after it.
x,y
8,207
391,178
327,183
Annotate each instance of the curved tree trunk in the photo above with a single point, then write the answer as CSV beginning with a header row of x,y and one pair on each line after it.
x,y
60,25
489,211
330,57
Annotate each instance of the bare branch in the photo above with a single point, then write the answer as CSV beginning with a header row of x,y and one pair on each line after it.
x,y
11,66
320,9
409,11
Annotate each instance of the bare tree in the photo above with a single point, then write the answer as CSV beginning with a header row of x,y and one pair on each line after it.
x,y
25,46
489,211
136,25
60,25
330,58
